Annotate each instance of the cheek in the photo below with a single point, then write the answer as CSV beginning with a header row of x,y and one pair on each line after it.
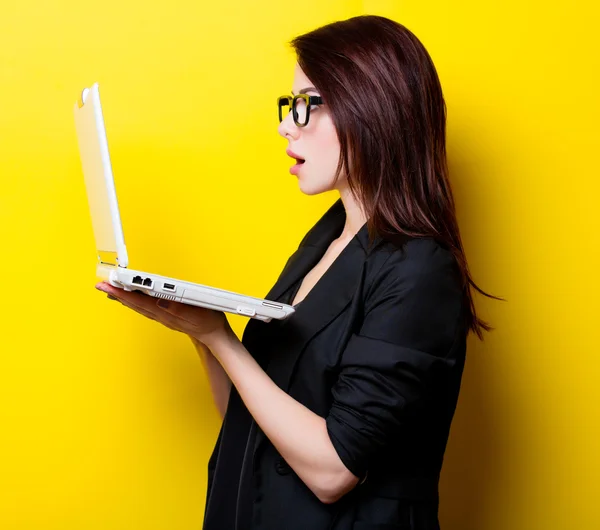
x,y
327,148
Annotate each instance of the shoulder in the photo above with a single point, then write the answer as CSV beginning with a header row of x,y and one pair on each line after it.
x,y
413,297
417,255
417,259
421,267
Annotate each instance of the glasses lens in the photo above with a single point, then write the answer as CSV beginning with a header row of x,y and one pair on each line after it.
x,y
300,110
284,107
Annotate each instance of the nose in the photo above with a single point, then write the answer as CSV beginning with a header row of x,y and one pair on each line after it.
x,y
287,128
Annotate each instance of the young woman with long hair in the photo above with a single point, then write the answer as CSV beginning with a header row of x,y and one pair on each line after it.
x,y
338,417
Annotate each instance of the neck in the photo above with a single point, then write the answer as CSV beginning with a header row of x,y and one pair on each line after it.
x,y
355,217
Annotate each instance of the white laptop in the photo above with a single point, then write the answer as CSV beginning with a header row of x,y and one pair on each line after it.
x,y
106,221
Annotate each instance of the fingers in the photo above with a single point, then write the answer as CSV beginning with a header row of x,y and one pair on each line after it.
x,y
138,309
171,312
174,315
151,310
137,300
187,313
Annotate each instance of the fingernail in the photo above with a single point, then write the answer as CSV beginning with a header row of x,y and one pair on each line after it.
x,y
163,303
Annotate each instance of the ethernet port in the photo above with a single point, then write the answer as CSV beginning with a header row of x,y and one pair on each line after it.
x,y
147,282
137,280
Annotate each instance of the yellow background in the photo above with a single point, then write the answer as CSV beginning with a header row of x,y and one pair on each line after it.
x,y
106,419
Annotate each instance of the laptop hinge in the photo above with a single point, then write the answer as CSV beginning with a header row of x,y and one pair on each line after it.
x,y
109,258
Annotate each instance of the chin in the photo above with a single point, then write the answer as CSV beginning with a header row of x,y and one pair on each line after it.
x,y
313,188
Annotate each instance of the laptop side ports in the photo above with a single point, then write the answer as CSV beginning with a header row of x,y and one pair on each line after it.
x,y
144,282
168,287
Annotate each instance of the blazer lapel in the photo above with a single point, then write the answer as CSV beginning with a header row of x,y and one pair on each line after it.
x,y
330,295
327,299
310,250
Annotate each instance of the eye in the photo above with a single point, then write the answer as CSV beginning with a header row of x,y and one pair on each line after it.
x,y
315,106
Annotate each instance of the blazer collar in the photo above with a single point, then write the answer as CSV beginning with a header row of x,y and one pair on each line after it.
x,y
279,352
315,244
329,296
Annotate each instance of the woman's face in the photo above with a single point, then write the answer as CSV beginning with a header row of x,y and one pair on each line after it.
x,y
316,143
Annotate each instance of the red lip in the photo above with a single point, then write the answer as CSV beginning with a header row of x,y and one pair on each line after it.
x,y
293,155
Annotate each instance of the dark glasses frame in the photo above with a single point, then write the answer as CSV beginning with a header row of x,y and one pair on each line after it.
x,y
284,101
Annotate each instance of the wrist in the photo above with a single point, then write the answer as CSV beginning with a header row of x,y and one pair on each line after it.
x,y
198,344
217,340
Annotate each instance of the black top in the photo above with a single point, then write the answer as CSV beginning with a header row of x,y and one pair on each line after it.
x,y
377,349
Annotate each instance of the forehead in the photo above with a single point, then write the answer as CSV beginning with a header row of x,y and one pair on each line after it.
x,y
300,79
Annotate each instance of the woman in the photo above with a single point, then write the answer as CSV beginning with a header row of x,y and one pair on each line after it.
x,y
338,417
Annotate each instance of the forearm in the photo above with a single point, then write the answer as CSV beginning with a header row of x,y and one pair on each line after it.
x,y
220,384
298,434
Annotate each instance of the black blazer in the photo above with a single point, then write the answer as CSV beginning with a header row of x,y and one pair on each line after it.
x,y
377,348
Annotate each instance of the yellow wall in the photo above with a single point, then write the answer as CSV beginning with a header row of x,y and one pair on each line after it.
x,y
106,419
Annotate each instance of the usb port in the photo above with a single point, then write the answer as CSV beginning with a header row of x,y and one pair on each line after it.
x,y
168,287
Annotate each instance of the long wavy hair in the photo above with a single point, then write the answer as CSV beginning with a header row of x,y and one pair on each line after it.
x,y
385,99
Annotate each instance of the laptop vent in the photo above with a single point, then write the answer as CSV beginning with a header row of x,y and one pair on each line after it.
x,y
166,296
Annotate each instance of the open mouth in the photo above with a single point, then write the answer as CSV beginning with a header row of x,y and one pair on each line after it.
x,y
300,160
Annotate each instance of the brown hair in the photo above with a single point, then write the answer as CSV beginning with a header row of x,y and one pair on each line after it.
x,y
385,99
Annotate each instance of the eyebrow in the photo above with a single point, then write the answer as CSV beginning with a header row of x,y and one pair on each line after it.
x,y
305,90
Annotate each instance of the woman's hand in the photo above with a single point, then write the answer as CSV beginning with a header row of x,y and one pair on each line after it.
x,y
201,324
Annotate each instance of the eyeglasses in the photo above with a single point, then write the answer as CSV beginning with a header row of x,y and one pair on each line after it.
x,y
300,106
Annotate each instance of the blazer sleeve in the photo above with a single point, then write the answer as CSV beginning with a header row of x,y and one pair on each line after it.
x,y
411,320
